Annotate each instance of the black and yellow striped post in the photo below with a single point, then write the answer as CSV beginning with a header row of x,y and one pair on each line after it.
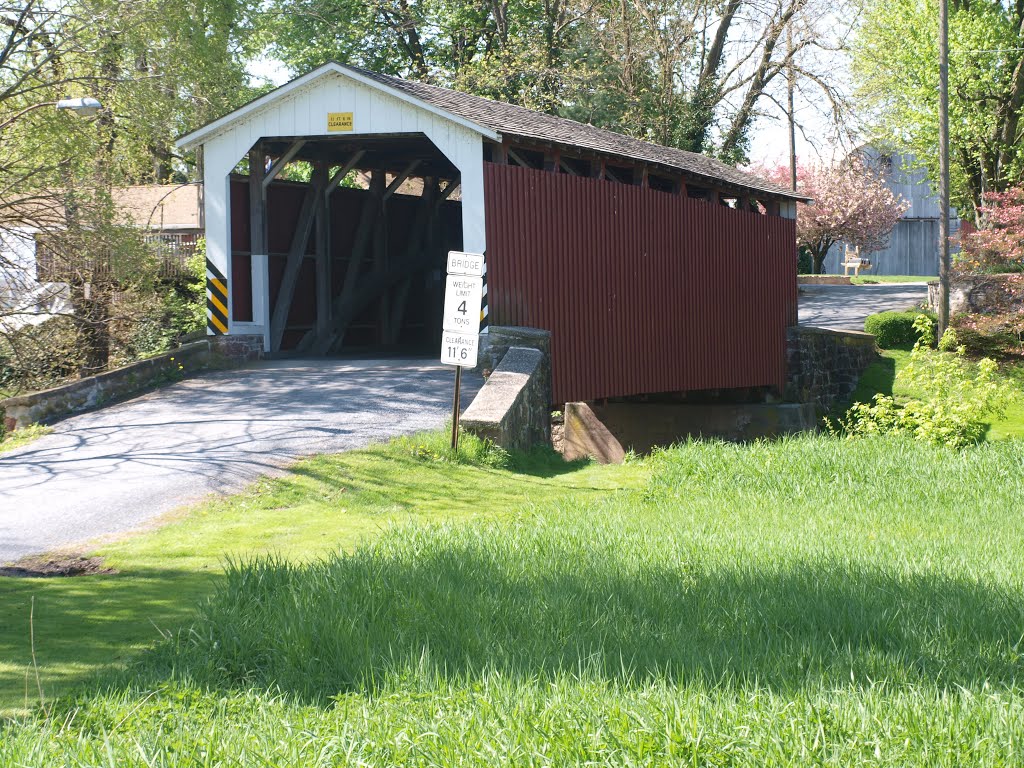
x,y
483,303
216,300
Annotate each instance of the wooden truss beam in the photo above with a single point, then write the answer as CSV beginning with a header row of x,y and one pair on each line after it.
x,y
307,215
400,179
358,292
342,172
451,187
282,161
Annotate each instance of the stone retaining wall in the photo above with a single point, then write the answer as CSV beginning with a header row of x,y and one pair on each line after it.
x,y
500,338
823,365
120,383
982,294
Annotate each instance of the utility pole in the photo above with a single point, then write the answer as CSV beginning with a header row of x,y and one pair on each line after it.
x,y
944,261
790,87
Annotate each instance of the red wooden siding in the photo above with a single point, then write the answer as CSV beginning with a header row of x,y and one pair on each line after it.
x,y
643,291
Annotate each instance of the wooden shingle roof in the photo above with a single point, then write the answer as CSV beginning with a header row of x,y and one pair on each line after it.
x,y
495,119
510,120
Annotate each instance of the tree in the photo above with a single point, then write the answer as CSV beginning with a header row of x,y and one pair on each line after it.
x,y
895,56
683,73
697,75
850,203
999,246
523,51
158,70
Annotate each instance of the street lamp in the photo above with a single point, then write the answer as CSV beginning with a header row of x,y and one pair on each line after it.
x,y
84,107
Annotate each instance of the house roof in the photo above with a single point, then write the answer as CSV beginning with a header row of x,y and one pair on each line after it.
x,y
150,206
161,206
494,119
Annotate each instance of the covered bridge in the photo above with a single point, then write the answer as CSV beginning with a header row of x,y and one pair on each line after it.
x,y
655,270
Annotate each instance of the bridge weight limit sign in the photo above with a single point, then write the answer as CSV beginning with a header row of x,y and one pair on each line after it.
x,y
460,338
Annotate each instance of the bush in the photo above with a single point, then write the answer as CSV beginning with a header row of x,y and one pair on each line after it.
x,y
1000,335
893,329
36,357
804,262
957,396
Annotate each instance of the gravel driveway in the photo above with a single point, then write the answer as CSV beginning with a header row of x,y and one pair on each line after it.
x,y
845,307
111,470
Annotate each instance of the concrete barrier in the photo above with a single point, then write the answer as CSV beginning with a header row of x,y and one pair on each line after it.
x,y
606,432
111,386
512,409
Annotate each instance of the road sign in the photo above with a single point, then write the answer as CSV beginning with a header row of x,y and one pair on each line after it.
x,y
463,294
462,297
459,348
460,263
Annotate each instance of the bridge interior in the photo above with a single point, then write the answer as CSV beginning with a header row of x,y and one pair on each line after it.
x,y
355,231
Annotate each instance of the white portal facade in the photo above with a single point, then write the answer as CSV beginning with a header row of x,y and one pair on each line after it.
x,y
306,108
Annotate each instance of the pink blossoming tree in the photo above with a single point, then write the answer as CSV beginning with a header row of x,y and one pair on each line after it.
x,y
999,246
850,204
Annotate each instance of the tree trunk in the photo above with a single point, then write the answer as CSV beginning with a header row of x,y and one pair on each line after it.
x,y
818,257
92,317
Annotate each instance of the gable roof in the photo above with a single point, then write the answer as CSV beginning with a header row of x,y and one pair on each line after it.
x,y
493,119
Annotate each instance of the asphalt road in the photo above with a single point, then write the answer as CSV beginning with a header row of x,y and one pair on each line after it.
x,y
111,470
845,307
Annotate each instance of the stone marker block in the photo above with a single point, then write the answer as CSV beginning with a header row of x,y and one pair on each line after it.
x,y
586,437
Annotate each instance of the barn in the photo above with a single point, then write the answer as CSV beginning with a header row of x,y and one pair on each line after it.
x,y
332,201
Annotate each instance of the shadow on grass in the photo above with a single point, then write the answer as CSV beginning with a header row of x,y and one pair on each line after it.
x,y
545,462
877,379
84,624
460,612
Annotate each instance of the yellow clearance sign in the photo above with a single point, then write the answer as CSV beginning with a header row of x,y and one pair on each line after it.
x,y
339,121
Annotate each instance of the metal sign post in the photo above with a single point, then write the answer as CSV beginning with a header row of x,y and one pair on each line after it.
x,y
456,408
460,339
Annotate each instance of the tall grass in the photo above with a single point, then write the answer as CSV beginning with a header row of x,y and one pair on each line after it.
x,y
812,601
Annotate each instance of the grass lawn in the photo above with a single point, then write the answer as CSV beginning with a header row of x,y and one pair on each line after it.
x,y
869,279
879,279
328,504
809,601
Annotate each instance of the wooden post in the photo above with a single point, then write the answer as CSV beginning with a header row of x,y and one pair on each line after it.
x,y
945,264
257,201
258,230
296,252
380,266
323,255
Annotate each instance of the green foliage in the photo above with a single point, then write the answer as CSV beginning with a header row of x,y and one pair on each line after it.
x,y
647,69
956,398
473,451
893,329
20,437
999,335
895,62
804,261
40,356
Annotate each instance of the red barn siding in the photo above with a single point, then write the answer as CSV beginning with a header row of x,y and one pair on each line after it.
x,y
642,291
